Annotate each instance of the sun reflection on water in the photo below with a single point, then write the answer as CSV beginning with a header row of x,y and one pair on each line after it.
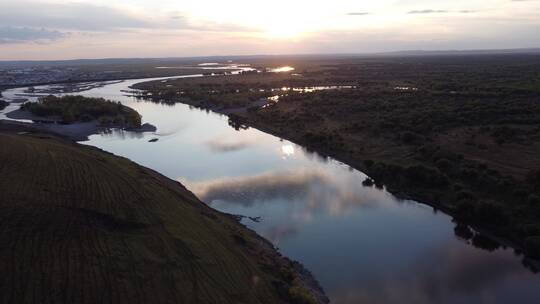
x,y
287,150
282,69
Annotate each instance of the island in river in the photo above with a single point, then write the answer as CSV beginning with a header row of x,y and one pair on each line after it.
x,y
80,225
461,133
78,117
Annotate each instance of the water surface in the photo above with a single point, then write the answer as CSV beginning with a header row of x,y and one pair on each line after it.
x,y
361,243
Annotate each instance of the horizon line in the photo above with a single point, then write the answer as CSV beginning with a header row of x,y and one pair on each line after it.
x,y
409,52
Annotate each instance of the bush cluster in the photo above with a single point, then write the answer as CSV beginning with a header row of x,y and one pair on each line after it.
x,y
82,109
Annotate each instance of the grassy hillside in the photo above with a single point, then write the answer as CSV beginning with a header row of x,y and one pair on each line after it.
x,y
78,225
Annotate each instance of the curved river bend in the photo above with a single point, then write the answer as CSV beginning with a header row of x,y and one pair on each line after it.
x,y
362,244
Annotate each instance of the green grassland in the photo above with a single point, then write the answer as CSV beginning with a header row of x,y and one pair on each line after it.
x,y
78,225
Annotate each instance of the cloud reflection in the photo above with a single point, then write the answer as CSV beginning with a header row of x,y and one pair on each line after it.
x,y
305,194
445,274
265,187
220,146
227,143
316,189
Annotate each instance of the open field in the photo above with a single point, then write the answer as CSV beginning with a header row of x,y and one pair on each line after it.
x,y
459,132
79,225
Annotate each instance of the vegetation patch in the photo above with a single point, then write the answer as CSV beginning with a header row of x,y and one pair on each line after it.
x,y
71,109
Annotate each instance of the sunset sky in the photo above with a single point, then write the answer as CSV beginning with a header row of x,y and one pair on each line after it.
x,y
144,28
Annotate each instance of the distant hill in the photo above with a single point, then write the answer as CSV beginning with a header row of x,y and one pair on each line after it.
x,y
461,52
225,58
78,225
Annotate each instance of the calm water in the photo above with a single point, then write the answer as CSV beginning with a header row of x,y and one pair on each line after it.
x,y
362,244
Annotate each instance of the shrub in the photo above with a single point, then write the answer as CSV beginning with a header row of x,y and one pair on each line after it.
x,y
369,163
443,164
463,231
470,174
483,242
299,295
465,195
253,109
465,209
529,229
86,118
426,176
491,213
368,182
409,137
532,245
533,178
533,200
68,117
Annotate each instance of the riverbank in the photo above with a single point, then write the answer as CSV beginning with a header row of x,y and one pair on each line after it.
x,y
467,146
107,229
494,236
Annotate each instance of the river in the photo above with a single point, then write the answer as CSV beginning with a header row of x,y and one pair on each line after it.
x,y
361,243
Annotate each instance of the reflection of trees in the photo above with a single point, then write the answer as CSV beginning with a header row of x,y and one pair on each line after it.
x,y
314,155
121,134
463,232
237,122
485,243
477,239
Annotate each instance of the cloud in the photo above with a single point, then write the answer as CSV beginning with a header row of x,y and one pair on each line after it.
x,y
427,11
358,14
99,18
170,29
10,34
43,21
69,16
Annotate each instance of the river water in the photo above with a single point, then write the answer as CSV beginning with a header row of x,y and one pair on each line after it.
x,y
361,243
